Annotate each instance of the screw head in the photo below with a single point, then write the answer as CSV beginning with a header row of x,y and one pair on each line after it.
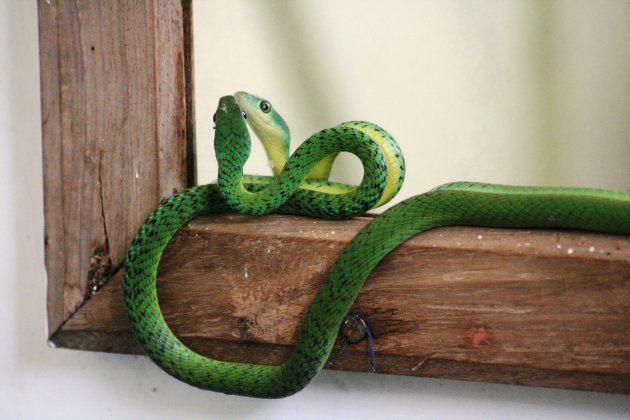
x,y
353,328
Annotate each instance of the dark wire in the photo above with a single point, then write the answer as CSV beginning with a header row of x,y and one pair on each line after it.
x,y
344,345
370,348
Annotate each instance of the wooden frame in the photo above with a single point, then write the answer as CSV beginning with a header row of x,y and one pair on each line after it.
x,y
526,307
117,133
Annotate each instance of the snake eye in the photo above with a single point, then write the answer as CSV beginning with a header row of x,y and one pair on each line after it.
x,y
244,114
265,107
214,117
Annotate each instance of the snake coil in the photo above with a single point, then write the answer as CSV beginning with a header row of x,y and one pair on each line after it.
x,y
301,187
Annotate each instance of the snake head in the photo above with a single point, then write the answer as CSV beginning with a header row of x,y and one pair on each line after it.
x,y
269,127
232,144
231,138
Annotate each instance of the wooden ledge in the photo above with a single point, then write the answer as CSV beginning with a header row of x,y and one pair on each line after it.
x,y
541,308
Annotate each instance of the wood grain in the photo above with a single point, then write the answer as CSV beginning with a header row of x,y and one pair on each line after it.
x,y
115,141
524,307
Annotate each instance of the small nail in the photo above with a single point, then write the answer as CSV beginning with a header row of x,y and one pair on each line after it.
x,y
353,328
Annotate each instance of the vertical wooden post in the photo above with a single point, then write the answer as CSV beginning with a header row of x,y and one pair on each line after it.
x,y
117,132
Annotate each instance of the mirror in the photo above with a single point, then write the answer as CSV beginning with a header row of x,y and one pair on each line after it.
x,y
528,93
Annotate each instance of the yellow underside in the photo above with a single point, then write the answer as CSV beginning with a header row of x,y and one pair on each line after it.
x,y
309,184
318,176
394,173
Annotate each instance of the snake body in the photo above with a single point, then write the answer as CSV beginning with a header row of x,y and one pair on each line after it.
x,y
300,187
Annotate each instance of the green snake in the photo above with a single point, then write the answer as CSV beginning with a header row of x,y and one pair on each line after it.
x,y
300,186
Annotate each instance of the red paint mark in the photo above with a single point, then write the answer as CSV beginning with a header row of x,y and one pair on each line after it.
x,y
479,336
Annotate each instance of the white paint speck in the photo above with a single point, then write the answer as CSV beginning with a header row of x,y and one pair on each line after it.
x,y
558,246
332,232
246,273
591,249
479,236
570,251
137,176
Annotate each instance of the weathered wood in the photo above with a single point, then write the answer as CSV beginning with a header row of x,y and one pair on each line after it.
x,y
115,134
526,307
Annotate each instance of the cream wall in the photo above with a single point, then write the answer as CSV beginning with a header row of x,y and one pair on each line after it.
x,y
38,382
529,92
